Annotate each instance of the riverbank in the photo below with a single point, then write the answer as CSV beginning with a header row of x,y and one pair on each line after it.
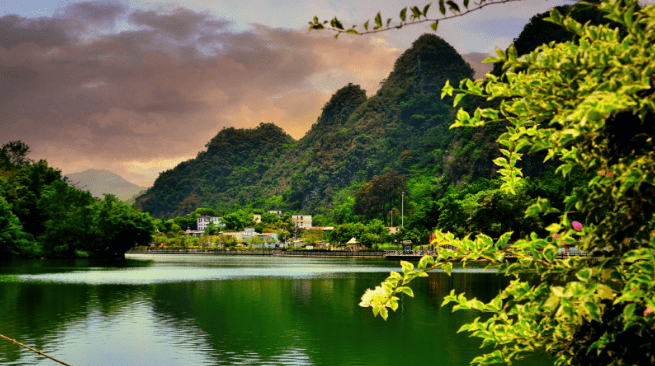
x,y
276,253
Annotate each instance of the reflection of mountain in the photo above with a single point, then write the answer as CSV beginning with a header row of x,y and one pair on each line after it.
x,y
99,182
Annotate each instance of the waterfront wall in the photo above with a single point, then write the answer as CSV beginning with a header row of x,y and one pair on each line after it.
x,y
278,253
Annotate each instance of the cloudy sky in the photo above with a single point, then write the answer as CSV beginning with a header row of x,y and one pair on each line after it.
x,y
136,87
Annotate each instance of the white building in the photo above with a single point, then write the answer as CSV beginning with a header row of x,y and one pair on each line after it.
x,y
303,221
203,222
257,218
279,213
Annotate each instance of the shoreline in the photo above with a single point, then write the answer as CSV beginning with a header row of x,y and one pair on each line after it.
x,y
273,253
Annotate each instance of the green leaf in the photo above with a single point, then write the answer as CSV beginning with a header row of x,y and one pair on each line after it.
x,y
407,266
603,340
593,310
415,12
366,25
384,313
434,25
378,21
501,54
403,14
453,6
448,268
466,4
458,97
426,260
406,290
425,9
442,7
555,16
513,55
628,16
336,23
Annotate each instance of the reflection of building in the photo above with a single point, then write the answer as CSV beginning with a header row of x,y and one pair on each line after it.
x,y
203,222
303,221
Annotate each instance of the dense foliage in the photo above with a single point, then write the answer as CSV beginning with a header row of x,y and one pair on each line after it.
x,y
43,216
402,128
588,102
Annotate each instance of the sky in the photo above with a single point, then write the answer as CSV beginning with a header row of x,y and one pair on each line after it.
x,y
136,87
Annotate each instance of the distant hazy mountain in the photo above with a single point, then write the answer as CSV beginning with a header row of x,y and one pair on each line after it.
x,y
99,182
475,60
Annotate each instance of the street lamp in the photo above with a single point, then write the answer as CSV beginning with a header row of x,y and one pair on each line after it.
x,y
402,219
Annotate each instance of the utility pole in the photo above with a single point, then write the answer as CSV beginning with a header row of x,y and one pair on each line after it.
x,y
402,220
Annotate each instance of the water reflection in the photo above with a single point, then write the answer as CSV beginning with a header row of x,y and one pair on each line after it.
x,y
194,310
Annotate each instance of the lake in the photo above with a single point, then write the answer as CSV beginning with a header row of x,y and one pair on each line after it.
x,y
228,310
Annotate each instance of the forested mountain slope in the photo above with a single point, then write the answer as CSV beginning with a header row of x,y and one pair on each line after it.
x,y
354,139
228,172
403,128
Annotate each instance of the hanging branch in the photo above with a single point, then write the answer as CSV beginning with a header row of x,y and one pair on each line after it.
x,y
416,17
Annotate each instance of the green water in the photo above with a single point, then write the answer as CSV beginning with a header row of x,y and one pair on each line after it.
x,y
213,310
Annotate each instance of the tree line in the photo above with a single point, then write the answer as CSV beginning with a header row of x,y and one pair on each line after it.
x,y
41,215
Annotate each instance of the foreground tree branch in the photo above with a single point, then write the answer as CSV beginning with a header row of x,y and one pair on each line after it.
x,y
416,16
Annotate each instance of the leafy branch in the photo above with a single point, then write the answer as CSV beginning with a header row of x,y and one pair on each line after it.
x,y
417,16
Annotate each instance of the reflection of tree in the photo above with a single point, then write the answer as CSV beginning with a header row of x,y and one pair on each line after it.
x,y
39,312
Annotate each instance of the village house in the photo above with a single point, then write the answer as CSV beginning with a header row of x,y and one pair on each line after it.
x,y
203,222
302,221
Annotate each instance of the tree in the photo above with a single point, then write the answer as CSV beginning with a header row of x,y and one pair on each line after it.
x,y
234,221
375,198
16,152
211,229
120,228
588,102
255,241
13,241
71,221
313,236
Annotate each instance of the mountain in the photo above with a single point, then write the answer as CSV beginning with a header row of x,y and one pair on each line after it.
x,y
475,60
403,128
99,182
354,139
229,172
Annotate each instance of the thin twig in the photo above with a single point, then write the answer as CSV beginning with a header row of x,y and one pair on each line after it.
x,y
414,22
34,350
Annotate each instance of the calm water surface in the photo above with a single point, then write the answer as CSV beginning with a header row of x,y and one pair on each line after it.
x,y
218,310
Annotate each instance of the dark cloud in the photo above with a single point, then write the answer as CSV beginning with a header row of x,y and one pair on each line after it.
x,y
142,100
96,11
182,24
44,31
